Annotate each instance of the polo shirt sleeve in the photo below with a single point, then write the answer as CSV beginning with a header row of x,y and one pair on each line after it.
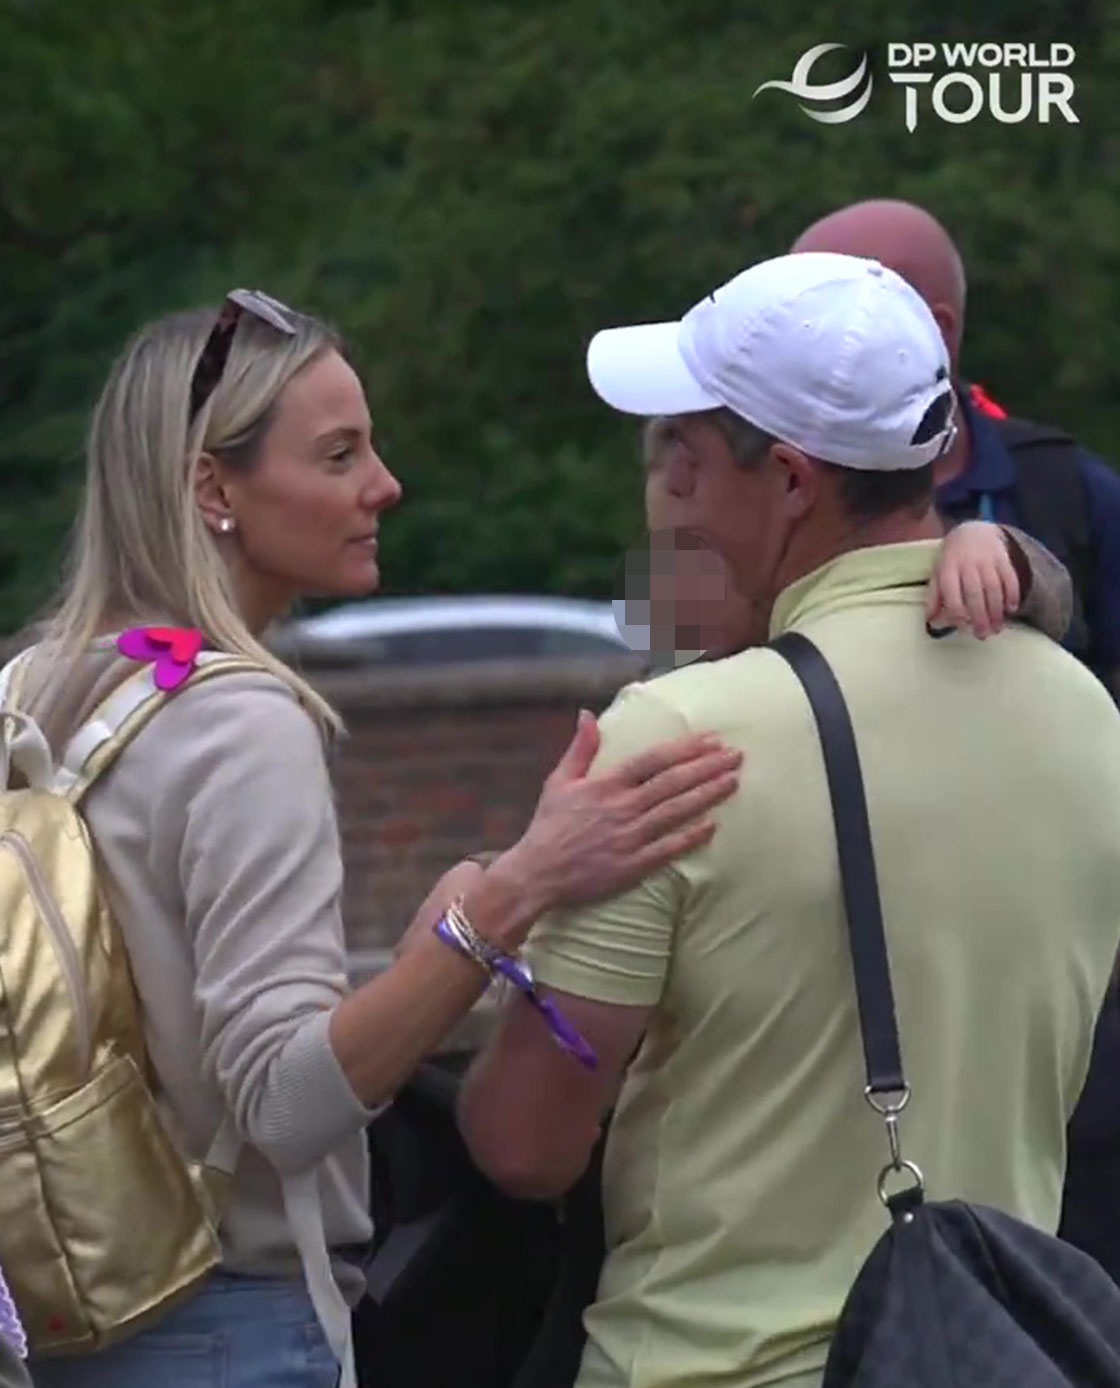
x,y
618,950
1102,602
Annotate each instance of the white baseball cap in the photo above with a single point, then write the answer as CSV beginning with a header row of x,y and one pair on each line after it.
x,y
834,354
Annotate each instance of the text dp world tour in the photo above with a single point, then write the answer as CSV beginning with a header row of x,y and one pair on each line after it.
x,y
1011,81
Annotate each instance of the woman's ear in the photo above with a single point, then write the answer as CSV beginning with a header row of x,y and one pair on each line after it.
x,y
210,493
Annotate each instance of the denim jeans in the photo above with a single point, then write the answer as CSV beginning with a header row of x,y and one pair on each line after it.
x,y
237,1332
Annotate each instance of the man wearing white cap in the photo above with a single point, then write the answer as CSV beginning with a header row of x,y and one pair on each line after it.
x,y
739,1183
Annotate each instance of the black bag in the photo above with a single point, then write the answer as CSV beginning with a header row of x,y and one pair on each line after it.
x,y
1091,1199
953,1295
467,1287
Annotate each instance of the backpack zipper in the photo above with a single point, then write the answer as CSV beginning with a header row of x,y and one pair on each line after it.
x,y
53,919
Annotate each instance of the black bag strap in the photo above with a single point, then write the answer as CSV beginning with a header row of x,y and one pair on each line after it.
x,y
887,1091
1050,492
1053,506
866,937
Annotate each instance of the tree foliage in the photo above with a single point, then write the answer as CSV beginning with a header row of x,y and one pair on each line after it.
x,y
470,192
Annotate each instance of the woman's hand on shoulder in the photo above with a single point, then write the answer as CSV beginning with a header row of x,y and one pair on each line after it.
x,y
593,836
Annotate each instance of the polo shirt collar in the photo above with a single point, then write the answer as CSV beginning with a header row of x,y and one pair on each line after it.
x,y
853,578
990,466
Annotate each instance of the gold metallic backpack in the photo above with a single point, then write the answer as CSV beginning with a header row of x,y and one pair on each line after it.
x,y
104,1224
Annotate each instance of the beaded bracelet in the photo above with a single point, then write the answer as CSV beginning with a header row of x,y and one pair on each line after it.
x,y
454,929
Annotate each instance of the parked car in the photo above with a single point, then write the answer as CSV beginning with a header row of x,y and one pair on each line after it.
x,y
430,630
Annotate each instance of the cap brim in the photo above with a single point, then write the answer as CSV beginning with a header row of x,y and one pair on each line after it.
x,y
640,370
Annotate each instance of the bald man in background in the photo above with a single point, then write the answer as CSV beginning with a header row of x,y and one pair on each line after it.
x,y
1039,479
1010,470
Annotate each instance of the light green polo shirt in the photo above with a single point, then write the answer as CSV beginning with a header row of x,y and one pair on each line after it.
x,y
740,1181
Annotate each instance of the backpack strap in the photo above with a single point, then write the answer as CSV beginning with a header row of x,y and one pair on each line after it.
x,y
1053,506
303,1208
22,743
219,1167
23,746
11,678
107,732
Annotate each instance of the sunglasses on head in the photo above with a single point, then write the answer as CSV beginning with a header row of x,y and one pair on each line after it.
x,y
214,355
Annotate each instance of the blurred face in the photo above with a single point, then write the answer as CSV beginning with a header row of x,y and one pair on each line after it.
x,y
694,483
686,578
306,515
687,589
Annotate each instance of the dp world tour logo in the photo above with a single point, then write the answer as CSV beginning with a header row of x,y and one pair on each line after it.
x,y
801,85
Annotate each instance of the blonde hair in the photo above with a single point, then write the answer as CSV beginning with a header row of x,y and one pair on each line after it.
x,y
141,549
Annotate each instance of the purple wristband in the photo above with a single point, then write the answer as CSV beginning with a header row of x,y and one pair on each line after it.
x,y
11,1328
518,973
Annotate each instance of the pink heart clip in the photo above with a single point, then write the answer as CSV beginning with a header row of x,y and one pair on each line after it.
x,y
173,650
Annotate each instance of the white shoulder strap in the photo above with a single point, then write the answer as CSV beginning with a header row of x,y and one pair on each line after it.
x,y
122,715
23,746
7,674
303,1207
22,743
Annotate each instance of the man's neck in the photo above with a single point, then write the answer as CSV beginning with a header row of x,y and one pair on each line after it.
x,y
899,529
844,538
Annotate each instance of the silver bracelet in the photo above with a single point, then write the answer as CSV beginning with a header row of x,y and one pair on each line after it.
x,y
454,929
447,930
478,948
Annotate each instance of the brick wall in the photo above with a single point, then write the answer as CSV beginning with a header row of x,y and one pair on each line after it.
x,y
443,762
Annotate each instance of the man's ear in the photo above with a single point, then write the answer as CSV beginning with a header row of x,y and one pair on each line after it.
x,y
799,479
949,321
210,492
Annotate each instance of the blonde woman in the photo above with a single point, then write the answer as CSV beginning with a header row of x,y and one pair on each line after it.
x,y
231,468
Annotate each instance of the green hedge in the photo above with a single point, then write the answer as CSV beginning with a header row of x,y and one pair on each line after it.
x,y
470,191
